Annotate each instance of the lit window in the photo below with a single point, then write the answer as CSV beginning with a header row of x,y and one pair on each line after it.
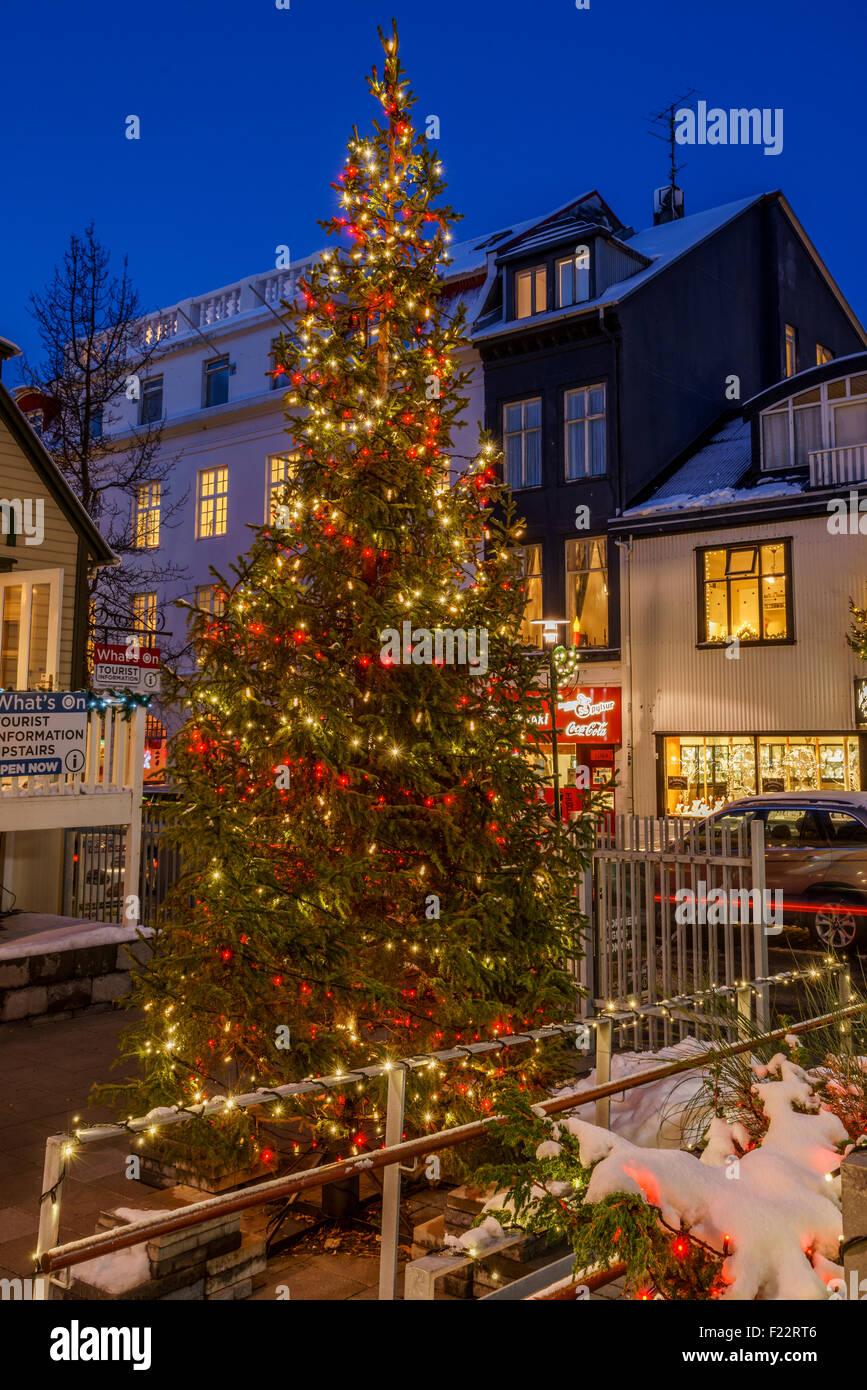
x,y
745,593
151,401
573,278
522,442
531,292
144,613
791,350
147,516
585,432
281,469
217,381
823,354
587,591
210,598
531,557
213,502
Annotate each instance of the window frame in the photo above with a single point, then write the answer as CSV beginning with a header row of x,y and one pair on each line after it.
x,y
702,642
604,569
523,551
210,369
790,342
153,382
523,402
823,355
143,514
292,456
573,391
214,606
148,627
214,499
827,405
582,254
27,580
533,271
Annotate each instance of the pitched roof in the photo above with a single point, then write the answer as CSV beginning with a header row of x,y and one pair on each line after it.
x,y
47,471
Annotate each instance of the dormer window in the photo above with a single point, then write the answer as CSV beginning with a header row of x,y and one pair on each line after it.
x,y
531,291
792,430
830,420
573,278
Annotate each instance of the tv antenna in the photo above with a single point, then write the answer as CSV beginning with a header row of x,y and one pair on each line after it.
x,y
664,123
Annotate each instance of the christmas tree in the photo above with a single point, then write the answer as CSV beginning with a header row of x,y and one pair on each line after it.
x,y
369,868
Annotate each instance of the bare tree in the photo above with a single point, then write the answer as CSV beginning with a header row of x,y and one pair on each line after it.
x,y
95,355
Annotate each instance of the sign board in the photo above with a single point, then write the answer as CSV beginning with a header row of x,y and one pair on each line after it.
x,y
42,731
585,714
126,666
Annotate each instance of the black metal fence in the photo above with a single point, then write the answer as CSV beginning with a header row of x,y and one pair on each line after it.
x,y
93,886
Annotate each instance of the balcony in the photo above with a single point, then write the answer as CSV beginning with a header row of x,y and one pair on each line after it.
x,y
838,467
107,790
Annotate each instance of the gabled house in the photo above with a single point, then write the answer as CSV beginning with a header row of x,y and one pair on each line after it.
x,y
743,562
48,545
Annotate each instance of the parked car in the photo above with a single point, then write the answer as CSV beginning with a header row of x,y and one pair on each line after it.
x,y
816,852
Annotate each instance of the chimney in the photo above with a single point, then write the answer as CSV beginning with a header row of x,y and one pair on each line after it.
x,y
667,204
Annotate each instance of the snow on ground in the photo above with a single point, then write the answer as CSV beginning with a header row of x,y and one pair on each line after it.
x,y
651,1115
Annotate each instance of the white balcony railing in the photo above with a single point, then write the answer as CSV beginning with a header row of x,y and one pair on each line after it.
x,y
836,467
219,307
164,326
277,287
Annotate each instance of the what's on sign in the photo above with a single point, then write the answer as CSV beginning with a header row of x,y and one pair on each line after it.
x,y
42,731
126,666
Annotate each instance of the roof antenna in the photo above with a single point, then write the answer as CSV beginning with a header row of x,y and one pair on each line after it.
x,y
668,201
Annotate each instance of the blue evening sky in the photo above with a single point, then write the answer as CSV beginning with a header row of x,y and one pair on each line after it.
x,y
245,110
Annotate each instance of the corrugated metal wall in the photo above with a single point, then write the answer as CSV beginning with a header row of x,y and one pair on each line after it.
x,y
804,688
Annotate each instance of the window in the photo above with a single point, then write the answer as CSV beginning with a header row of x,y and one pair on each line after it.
x,y
573,278
795,762
35,420
522,442
845,831
210,598
703,773
281,469
531,291
745,593
823,354
29,630
587,591
849,424
151,401
144,613
96,423
791,430
217,381
531,556
213,502
147,516
791,350
585,432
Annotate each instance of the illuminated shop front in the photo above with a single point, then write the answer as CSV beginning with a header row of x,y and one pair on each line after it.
x,y
588,737
701,772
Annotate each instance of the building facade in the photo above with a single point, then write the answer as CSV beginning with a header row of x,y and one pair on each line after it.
x,y
742,567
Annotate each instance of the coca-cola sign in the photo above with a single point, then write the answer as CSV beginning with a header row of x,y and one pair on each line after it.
x,y
585,714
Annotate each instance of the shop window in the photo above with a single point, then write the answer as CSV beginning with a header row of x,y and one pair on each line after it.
x,y
793,763
744,592
522,442
531,557
702,774
587,591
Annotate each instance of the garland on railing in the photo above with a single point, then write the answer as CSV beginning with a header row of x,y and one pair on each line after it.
x,y
125,700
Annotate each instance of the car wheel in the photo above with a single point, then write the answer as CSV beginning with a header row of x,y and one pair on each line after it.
x,y
837,924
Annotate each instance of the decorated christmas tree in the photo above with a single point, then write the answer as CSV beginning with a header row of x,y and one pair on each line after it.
x,y
369,868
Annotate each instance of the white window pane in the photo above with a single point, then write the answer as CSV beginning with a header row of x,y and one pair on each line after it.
x,y
541,290
524,294
597,401
534,415
575,461
775,440
574,405
534,458
850,424
597,447
513,418
564,285
808,432
513,461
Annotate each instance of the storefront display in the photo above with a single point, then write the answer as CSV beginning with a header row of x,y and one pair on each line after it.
x,y
704,772
588,734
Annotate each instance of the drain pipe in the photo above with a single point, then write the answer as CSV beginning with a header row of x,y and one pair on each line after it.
x,y
626,547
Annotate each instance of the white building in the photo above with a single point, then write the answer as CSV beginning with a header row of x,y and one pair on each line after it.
x,y
224,427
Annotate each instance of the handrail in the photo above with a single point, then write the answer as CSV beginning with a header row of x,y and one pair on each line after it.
x,y
75,1252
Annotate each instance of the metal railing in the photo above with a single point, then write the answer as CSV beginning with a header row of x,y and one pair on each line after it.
x,y
51,1257
93,871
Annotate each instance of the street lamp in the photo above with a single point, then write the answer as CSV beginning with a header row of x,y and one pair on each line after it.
x,y
549,628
